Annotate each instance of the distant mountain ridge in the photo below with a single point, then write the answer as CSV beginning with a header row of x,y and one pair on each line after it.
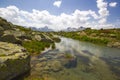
x,y
43,29
69,29
47,29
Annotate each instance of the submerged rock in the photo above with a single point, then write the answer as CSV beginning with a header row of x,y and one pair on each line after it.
x,y
53,65
14,61
70,62
56,66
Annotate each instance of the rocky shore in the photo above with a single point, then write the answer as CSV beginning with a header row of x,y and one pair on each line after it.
x,y
17,44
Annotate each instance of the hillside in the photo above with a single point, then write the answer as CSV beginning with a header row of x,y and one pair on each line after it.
x,y
25,37
108,37
17,44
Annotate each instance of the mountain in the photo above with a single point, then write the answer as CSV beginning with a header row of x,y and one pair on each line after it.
x,y
43,29
69,29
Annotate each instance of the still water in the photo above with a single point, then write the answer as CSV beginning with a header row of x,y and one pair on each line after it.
x,y
75,60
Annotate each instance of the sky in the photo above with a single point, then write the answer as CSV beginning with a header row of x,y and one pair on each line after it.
x,y
60,14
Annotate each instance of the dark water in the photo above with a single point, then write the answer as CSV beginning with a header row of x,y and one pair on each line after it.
x,y
75,60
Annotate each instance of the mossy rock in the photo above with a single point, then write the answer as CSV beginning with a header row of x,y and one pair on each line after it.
x,y
37,37
12,68
4,24
14,60
23,37
56,39
1,28
10,39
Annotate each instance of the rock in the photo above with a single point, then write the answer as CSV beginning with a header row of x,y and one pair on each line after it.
x,y
4,24
14,61
102,34
10,39
46,38
25,37
14,32
46,68
39,65
56,66
48,77
17,34
93,35
56,39
43,59
1,29
16,29
70,62
82,33
112,35
117,44
114,44
38,37
1,33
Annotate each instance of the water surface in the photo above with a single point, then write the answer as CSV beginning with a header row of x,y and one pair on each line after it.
x,y
75,60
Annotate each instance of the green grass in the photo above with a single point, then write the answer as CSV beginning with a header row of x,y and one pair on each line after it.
x,y
86,38
26,30
102,37
35,47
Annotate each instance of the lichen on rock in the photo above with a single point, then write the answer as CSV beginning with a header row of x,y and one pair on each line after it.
x,y
14,60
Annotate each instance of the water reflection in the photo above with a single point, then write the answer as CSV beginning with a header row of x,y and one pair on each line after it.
x,y
83,61
100,51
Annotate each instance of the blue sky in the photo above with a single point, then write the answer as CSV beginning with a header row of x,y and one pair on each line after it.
x,y
66,9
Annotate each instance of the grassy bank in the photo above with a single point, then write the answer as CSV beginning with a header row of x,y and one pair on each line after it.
x,y
35,47
103,36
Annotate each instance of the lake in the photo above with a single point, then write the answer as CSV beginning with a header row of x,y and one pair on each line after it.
x,y
76,60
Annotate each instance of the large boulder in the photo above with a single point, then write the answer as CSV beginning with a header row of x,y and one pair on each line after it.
x,y
37,37
56,66
14,61
10,39
13,32
4,24
46,38
13,36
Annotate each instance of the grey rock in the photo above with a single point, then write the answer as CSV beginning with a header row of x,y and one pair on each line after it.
x,y
43,59
38,37
56,66
114,44
10,39
14,61
1,28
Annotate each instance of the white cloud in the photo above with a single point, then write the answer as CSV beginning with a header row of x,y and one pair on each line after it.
x,y
43,18
113,4
103,11
57,3
102,6
102,21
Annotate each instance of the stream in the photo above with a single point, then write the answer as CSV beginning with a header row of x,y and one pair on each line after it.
x,y
76,60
